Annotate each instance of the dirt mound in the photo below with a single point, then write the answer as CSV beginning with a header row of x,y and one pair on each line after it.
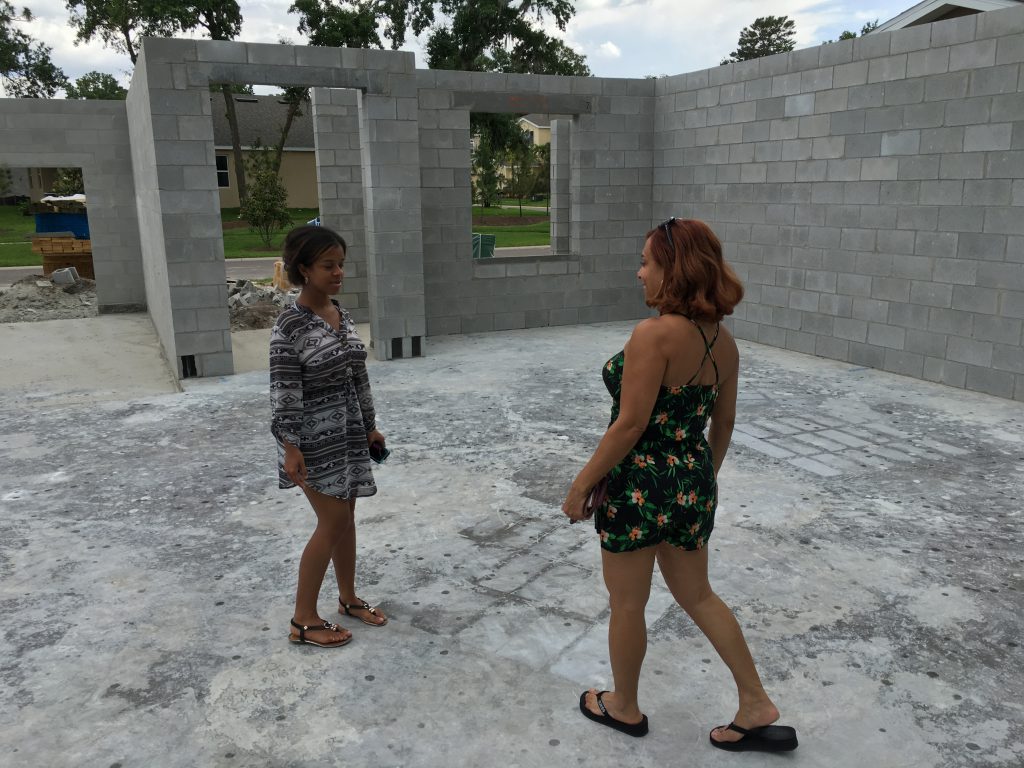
x,y
254,316
35,298
508,221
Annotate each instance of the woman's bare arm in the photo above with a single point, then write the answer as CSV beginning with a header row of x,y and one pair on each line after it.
x,y
642,373
723,417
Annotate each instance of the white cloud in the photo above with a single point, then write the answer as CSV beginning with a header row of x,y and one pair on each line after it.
x,y
651,36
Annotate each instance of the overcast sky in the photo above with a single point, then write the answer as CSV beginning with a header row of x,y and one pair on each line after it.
x,y
620,38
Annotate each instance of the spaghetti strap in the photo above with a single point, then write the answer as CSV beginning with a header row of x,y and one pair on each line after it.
x,y
707,351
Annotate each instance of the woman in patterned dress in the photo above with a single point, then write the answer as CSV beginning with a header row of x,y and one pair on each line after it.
x,y
677,371
324,422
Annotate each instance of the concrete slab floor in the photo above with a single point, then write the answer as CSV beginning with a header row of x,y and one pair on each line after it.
x,y
869,540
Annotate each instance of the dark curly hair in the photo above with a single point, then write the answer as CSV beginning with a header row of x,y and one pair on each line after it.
x,y
304,245
698,283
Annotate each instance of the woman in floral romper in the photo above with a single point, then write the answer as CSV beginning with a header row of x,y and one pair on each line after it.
x,y
677,372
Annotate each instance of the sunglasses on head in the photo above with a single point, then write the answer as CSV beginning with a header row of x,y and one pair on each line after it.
x,y
667,227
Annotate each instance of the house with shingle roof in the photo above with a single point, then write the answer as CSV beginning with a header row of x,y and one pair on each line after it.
x,y
930,11
261,118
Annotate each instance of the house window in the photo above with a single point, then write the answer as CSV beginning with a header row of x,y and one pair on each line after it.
x,y
223,178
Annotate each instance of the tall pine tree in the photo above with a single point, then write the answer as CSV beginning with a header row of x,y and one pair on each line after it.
x,y
767,35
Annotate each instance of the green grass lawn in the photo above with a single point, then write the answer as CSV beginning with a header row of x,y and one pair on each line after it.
x,y
511,237
240,243
15,249
510,202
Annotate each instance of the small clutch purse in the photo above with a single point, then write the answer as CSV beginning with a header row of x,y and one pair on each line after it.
x,y
597,498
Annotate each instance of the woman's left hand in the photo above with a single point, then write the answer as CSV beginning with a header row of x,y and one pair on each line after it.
x,y
572,507
374,436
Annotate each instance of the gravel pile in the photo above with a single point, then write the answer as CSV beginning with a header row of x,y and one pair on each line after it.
x,y
255,306
36,298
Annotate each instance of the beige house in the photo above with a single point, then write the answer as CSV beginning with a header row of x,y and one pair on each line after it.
x,y
261,117
538,127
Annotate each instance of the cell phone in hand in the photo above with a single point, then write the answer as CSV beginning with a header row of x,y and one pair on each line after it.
x,y
379,453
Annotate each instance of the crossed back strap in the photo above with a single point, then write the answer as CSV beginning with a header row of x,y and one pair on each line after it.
x,y
707,351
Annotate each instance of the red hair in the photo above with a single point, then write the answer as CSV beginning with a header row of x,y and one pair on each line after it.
x,y
698,283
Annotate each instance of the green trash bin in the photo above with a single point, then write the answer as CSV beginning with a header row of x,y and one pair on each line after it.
x,y
476,246
487,246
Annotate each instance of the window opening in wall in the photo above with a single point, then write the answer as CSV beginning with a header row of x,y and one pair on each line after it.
x,y
511,184
223,177
282,183
52,224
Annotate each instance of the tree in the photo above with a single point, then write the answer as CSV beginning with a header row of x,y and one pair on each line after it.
x,y
265,208
485,171
767,35
223,21
542,164
25,66
120,24
96,85
6,180
868,28
353,25
295,98
519,160
69,181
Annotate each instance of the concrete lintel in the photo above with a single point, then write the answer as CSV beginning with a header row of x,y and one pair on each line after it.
x,y
283,75
525,103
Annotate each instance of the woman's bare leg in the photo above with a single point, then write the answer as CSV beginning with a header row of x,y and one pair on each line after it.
x,y
628,578
331,514
344,557
686,574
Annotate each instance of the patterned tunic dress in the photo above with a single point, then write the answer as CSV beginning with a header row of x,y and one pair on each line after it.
x,y
665,487
321,402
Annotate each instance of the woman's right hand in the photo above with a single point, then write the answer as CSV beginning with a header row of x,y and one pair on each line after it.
x,y
295,465
574,506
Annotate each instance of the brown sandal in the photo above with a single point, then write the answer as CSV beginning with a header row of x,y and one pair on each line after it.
x,y
303,629
347,608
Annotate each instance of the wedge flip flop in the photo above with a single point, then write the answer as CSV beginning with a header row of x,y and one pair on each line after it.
x,y
768,738
303,640
630,729
347,608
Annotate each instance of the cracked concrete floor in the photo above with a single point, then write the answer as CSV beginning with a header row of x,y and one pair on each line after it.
x,y
869,540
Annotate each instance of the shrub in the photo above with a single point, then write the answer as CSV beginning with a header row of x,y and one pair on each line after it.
x,y
265,207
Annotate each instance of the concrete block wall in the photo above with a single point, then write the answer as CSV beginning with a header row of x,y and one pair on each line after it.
x,y
183,248
560,132
179,206
93,136
870,194
340,186
611,159
592,277
389,142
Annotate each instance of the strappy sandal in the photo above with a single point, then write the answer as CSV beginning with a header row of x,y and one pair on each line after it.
x,y
767,738
303,629
347,608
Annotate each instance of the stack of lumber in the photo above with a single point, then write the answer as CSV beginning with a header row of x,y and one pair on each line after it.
x,y
61,250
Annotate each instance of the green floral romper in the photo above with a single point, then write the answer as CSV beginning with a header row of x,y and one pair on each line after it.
x,y
665,488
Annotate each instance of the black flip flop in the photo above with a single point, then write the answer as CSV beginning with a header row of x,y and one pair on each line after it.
x,y
767,738
631,729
